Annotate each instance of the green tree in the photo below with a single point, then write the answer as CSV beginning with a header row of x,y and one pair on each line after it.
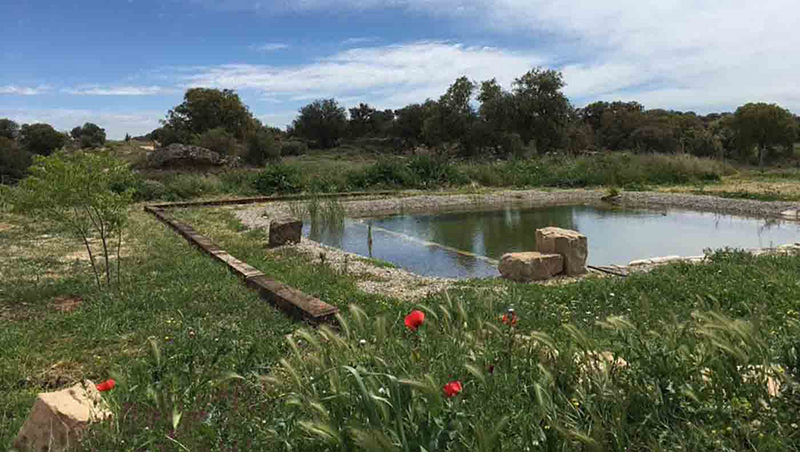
x,y
76,192
763,126
9,129
14,161
410,120
613,123
204,109
218,140
261,147
497,113
542,110
452,117
323,121
361,121
41,139
89,135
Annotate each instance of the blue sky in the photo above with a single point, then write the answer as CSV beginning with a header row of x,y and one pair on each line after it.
x,y
123,63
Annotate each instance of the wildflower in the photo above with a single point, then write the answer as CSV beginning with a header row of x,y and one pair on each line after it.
x,y
452,389
510,317
414,320
491,369
362,342
106,385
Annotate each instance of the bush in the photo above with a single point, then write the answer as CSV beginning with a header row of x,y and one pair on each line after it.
x,y
279,178
261,147
89,136
433,171
14,161
218,140
293,147
511,145
385,172
41,139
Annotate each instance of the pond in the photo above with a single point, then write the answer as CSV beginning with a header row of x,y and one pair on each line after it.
x,y
468,244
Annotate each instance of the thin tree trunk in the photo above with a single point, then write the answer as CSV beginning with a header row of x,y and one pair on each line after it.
x,y
89,250
119,245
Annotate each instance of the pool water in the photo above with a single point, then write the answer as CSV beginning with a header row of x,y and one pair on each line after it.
x,y
467,244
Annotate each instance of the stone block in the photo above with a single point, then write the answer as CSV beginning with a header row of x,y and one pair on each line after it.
x,y
58,419
531,266
571,245
292,301
285,231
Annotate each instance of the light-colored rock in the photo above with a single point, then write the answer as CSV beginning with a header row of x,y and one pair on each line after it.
x,y
571,245
791,214
530,266
58,419
184,155
665,259
598,364
285,231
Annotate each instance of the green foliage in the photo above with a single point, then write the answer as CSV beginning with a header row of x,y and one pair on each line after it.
x,y
763,126
89,135
14,161
169,134
41,139
293,148
9,129
541,108
278,178
204,109
75,191
322,121
218,140
261,148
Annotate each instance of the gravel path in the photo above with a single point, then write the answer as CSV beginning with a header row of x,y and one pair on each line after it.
x,y
403,284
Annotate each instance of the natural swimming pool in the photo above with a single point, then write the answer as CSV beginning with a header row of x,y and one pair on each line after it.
x,y
467,244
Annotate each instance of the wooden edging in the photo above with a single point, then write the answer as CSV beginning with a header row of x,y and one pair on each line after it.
x,y
292,301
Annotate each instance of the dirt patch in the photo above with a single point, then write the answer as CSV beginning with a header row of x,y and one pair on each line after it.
x,y
54,378
6,227
67,304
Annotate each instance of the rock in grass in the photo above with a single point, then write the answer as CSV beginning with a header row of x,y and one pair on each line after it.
x,y
285,231
530,266
58,419
572,245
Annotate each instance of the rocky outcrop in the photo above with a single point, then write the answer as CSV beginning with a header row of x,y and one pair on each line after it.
x,y
176,155
572,245
58,419
285,231
530,266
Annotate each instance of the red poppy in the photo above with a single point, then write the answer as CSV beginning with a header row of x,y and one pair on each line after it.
x,y
452,389
414,320
106,385
510,318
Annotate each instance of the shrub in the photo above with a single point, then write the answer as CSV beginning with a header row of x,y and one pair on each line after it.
x,y
261,147
385,172
293,147
41,139
511,145
89,135
14,161
218,140
278,178
430,171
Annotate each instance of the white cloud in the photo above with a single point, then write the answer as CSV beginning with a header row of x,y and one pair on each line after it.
x,y
118,91
117,124
24,90
691,52
357,41
271,47
389,76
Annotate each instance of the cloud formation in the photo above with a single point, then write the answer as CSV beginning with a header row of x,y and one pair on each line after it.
x,y
270,47
24,90
118,90
117,124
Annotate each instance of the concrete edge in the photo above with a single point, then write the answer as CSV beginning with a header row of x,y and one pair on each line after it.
x,y
265,199
293,302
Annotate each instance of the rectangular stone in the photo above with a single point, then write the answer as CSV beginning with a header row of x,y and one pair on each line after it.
x,y
572,245
530,266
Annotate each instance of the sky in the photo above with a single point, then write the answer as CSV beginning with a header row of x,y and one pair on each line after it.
x,y
123,64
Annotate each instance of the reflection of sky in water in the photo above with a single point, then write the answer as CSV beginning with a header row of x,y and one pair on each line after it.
x,y
615,236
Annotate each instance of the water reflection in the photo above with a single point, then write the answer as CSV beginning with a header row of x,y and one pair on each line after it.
x,y
446,244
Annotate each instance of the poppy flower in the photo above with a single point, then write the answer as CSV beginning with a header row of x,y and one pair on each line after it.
x,y
452,389
414,320
510,318
106,385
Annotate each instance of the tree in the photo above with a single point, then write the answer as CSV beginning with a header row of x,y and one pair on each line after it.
x,y
261,147
541,109
217,140
14,161
410,120
41,139
452,117
76,192
614,123
763,126
204,109
323,121
497,113
361,120
89,135
9,129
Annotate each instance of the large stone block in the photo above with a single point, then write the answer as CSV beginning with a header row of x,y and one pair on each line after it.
x,y
284,231
572,245
531,266
58,419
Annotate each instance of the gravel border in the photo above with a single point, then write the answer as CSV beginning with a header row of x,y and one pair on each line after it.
x,y
400,283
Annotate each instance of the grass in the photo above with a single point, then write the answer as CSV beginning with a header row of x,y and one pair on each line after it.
x,y
202,362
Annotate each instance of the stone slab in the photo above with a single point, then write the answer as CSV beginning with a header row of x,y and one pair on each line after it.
x,y
292,301
530,266
285,231
572,245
